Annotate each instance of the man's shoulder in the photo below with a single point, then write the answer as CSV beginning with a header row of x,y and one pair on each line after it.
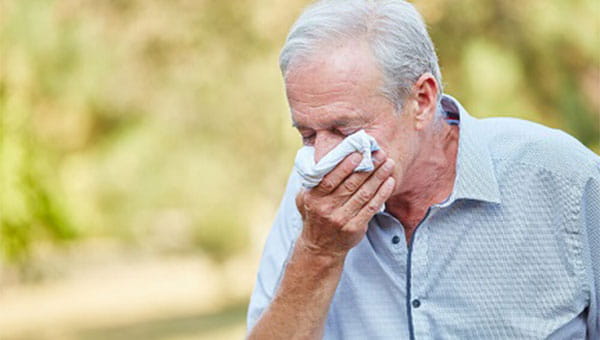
x,y
513,141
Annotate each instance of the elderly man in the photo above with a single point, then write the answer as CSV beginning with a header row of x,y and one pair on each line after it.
x,y
465,229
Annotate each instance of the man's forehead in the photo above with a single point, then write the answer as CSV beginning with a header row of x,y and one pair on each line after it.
x,y
350,63
333,89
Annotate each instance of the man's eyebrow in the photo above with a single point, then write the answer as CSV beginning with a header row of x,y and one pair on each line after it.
x,y
342,122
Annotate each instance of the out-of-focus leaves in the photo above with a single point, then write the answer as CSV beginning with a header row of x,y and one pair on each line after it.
x,y
528,60
164,123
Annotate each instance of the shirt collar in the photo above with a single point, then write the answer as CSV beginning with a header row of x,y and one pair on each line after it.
x,y
475,175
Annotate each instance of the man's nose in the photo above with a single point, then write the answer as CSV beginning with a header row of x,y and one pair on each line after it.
x,y
324,142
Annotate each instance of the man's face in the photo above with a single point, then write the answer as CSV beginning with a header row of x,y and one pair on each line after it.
x,y
337,93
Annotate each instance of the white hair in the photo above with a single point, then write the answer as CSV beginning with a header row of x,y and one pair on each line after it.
x,y
394,30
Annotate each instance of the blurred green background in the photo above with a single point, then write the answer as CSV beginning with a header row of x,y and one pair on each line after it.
x,y
145,146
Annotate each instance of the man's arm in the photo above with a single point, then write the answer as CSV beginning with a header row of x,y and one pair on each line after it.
x,y
299,309
335,216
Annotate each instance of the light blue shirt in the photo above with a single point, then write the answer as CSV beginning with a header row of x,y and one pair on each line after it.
x,y
513,253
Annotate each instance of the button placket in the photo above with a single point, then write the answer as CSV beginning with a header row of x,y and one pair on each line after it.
x,y
419,277
420,261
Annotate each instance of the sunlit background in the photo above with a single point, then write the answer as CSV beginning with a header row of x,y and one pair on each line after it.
x,y
145,145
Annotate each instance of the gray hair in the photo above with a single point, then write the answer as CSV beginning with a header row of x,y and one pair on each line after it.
x,y
393,28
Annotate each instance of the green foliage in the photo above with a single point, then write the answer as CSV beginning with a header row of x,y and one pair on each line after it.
x,y
536,59
153,121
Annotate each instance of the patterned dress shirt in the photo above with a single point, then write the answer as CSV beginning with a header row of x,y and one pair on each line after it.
x,y
513,253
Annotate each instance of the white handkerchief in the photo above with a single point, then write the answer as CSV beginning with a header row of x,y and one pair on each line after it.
x,y
313,173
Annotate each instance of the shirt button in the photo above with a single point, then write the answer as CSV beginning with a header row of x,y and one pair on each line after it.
x,y
416,303
396,239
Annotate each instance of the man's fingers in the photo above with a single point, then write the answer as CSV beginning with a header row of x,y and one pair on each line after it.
x,y
373,206
300,203
366,192
355,180
333,179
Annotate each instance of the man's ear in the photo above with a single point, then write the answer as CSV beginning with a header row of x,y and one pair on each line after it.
x,y
424,93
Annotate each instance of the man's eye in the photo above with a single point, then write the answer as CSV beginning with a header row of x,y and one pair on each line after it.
x,y
346,132
308,140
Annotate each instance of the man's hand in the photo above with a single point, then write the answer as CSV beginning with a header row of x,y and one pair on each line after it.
x,y
335,215
337,211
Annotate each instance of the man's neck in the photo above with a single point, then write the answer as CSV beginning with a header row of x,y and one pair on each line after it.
x,y
428,181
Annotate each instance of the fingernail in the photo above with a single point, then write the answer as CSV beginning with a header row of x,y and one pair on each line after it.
x,y
355,158
390,182
389,164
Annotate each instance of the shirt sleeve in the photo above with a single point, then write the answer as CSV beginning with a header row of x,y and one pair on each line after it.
x,y
591,218
278,247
